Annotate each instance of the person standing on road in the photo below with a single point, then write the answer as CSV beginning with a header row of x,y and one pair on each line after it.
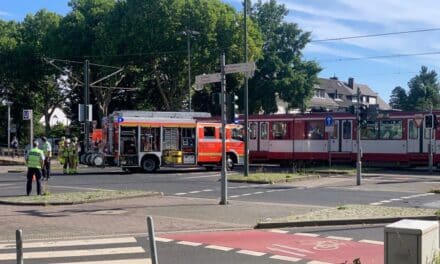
x,y
14,145
34,162
66,157
61,150
47,150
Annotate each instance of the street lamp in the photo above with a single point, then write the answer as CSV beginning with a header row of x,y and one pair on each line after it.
x,y
188,33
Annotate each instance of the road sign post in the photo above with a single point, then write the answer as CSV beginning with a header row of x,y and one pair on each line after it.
x,y
329,127
248,69
27,115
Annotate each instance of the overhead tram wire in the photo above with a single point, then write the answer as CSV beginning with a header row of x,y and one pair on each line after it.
x,y
378,35
385,56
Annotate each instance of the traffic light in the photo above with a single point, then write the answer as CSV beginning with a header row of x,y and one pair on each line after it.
x,y
429,121
363,115
231,107
435,121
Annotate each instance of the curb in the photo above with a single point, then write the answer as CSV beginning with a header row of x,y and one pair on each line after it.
x,y
314,177
153,194
384,220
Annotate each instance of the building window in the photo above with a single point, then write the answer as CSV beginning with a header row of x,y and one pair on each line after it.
x,y
279,130
373,100
391,129
371,131
315,129
209,132
319,93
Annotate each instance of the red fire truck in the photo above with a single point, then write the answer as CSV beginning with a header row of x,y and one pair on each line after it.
x,y
145,140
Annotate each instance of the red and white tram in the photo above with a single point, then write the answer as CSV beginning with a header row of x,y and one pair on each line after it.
x,y
394,138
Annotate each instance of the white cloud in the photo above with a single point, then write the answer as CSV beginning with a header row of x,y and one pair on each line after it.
x,y
4,14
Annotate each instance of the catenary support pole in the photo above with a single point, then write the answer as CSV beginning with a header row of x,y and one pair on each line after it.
x,y
358,140
9,127
86,106
151,237
246,99
19,246
224,180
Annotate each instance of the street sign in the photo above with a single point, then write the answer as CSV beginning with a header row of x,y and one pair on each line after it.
x,y
208,78
329,121
329,129
81,113
418,119
13,128
27,114
240,67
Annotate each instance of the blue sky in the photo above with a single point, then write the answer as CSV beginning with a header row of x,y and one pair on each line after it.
x,y
334,19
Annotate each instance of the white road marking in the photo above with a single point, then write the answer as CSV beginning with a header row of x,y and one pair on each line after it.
x,y
307,234
180,194
285,258
219,248
121,261
234,196
66,243
385,201
271,191
406,197
375,203
340,238
286,251
200,177
80,188
194,192
251,253
258,192
294,248
162,239
207,190
396,199
188,243
279,231
371,242
246,194
74,253
317,262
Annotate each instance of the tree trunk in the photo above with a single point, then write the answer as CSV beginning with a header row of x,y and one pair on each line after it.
x,y
159,86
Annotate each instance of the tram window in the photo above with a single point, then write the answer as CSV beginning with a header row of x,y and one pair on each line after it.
x,y
315,129
335,133
279,130
346,130
263,131
253,130
209,132
413,130
427,132
390,129
371,131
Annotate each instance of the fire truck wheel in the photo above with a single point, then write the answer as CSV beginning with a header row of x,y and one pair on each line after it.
x,y
82,158
149,164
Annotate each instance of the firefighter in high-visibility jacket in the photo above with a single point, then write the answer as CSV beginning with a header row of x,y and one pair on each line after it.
x,y
66,156
74,158
61,150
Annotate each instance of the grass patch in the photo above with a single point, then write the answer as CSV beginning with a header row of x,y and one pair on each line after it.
x,y
269,177
75,197
358,212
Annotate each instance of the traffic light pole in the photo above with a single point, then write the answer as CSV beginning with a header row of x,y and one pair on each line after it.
x,y
431,145
86,106
224,180
358,140
246,102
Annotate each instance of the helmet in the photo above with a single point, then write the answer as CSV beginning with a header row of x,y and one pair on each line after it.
x,y
75,139
63,138
68,141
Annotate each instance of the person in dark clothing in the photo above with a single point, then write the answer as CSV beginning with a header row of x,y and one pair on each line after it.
x,y
34,162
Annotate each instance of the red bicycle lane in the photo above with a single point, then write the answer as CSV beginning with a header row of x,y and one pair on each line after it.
x,y
290,245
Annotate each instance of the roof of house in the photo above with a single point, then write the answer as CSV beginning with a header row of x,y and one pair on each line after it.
x,y
332,85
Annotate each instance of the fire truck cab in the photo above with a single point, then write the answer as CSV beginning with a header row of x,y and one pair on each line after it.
x,y
150,140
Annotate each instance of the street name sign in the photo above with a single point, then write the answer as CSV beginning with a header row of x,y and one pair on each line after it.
x,y
27,114
206,78
248,68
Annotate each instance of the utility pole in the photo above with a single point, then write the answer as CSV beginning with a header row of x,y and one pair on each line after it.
x,y
224,187
431,145
246,95
9,126
188,42
358,140
86,106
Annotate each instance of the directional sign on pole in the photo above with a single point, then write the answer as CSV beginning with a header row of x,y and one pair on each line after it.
x,y
247,68
208,78
329,121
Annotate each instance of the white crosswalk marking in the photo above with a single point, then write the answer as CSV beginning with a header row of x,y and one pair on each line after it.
x,y
104,250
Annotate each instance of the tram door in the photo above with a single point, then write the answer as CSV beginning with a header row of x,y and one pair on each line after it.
x,y
259,139
414,143
342,136
264,137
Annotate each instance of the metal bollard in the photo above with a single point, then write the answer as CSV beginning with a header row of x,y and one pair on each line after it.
x,y
153,250
19,244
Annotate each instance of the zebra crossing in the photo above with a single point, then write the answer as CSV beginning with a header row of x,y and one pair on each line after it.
x,y
114,250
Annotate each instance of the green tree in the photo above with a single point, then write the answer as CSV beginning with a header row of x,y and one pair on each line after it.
x,y
399,98
282,70
424,90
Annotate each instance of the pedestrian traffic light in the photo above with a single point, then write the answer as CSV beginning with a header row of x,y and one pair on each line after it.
x,y
429,121
231,108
